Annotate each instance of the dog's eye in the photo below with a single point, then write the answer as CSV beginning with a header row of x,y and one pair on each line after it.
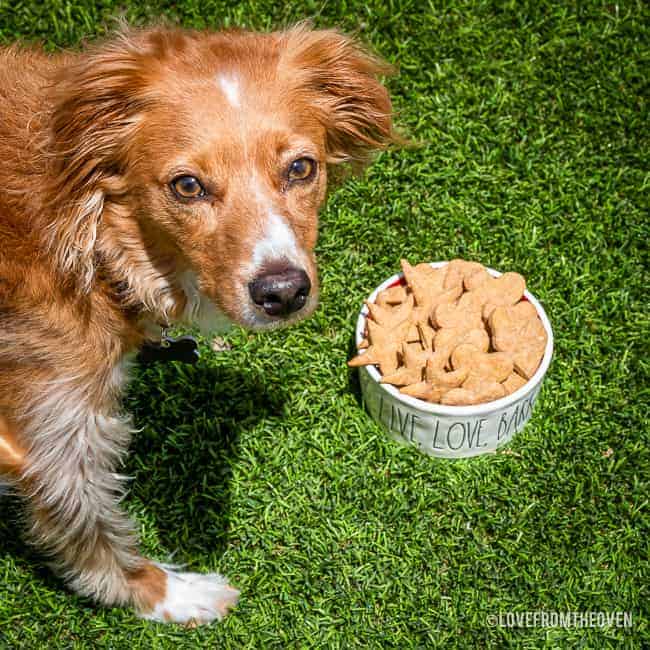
x,y
187,187
302,169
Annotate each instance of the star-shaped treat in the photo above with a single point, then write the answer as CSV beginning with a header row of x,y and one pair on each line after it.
x,y
436,375
428,289
383,348
390,317
423,390
414,361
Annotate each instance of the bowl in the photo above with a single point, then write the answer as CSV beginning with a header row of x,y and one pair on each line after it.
x,y
450,431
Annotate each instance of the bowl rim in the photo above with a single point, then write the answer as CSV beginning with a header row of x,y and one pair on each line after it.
x,y
472,409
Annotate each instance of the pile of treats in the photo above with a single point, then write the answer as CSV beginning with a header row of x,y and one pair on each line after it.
x,y
453,335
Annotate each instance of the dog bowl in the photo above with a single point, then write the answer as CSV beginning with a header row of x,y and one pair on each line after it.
x,y
450,431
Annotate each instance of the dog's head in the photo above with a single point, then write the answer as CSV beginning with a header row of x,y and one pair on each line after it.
x,y
191,165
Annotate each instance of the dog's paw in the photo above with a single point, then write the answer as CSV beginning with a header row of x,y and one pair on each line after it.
x,y
193,598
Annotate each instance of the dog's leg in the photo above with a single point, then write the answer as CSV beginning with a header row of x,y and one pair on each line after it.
x,y
68,479
12,454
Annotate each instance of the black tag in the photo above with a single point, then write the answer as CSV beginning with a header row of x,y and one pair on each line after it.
x,y
184,349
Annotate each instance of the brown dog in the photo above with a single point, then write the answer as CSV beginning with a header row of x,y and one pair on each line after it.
x,y
164,176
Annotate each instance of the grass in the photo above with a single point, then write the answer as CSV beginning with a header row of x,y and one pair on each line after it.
x,y
260,462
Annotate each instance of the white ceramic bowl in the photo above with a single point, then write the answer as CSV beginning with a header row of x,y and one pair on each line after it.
x,y
450,431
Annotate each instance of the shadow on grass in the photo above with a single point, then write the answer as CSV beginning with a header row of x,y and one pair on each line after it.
x,y
353,373
181,461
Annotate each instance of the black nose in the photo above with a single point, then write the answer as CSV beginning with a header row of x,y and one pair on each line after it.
x,y
281,293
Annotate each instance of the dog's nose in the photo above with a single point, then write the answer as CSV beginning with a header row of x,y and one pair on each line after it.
x,y
280,294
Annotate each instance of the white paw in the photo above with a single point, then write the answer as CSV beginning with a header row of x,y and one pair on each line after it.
x,y
193,598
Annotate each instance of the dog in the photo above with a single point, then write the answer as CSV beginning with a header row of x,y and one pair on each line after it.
x,y
163,176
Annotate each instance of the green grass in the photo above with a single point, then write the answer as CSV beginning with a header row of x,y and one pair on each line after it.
x,y
260,462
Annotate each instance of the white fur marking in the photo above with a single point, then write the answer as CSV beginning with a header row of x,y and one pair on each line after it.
x,y
194,597
278,242
230,88
200,310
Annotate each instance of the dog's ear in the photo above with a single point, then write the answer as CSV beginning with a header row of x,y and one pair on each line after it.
x,y
98,100
339,80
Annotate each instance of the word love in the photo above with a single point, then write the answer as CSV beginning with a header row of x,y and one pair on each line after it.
x,y
454,434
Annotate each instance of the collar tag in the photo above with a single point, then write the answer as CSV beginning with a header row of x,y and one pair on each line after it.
x,y
184,349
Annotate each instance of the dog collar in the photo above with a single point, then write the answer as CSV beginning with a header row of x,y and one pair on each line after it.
x,y
167,348
183,348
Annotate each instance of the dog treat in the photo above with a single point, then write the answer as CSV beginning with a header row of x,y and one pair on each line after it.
x,y
425,391
459,270
452,314
438,382
447,339
403,376
428,289
487,294
490,366
391,296
474,280
487,392
513,382
427,335
436,374
518,331
391,317
413,358
413,335
411,372
384,344
453,335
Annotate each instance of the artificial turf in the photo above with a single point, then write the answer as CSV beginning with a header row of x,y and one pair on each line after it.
x,y
532,124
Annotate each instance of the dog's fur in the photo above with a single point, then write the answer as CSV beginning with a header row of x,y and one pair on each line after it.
x,y
96,251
